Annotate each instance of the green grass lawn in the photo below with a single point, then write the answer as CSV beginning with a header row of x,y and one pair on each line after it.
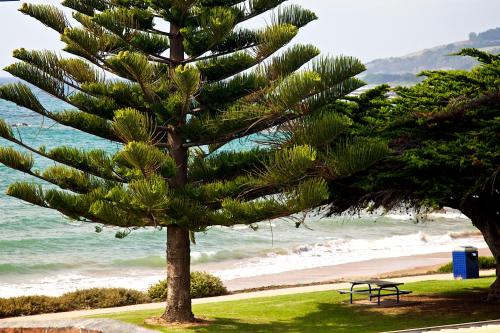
x,y
432,303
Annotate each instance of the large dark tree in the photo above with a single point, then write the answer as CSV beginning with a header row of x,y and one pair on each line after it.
x,y
173,82
445,140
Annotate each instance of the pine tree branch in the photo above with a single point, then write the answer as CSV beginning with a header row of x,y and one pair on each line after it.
x,y
95,58
216,55
161,59
42,154
253,14
308,104
163,33
68,83
50,181
38,108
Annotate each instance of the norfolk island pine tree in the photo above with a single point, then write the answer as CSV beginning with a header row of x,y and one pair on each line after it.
x,y
173,100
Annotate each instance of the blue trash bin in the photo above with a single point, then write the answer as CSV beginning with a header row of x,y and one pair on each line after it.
x,y
465,263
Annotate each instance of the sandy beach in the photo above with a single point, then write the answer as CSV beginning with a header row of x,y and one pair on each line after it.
x,y
398,266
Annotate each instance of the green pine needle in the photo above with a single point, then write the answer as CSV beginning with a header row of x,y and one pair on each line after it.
x,y
16,160
352,156
5,130
28,192
288,165
139,159
131,125
49,15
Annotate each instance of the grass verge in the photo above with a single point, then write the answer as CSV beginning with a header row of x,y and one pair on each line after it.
x,y
432,303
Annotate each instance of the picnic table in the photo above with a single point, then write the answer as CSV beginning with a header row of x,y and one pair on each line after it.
x,y
375,288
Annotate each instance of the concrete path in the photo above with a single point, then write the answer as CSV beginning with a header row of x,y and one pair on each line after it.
x,y
102,325
233,297
490,326
482,329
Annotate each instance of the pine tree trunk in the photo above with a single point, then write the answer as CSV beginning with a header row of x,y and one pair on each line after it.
x,y
178,271
178,308
484,216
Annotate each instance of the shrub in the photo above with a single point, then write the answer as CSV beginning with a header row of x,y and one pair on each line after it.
x,y
448,268
202,285
487,263
97,298
484,263
28,305
158,291
77,300
206,285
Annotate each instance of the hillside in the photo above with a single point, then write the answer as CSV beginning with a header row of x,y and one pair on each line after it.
x,y
403,69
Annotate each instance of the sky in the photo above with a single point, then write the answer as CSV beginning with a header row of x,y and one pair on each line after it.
x,y
367,29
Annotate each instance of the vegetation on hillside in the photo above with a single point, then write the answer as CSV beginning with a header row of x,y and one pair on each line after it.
x,y
405,69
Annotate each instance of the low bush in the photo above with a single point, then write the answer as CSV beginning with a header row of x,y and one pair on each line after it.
x,y
28,305
77,300
158,291
202,285
448,268
484,263
97,298
487,263
206,285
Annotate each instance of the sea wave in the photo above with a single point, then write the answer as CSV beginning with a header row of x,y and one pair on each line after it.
x,y
149,261
341,251
410,215
199,257
58,284
10,268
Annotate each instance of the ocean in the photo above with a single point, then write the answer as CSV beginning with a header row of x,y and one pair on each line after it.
x,y
41,252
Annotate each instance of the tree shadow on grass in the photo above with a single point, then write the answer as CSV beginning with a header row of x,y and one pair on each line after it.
x,y
470,292
412,312
326,318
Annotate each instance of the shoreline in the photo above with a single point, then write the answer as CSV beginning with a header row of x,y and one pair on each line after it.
x,y
413,265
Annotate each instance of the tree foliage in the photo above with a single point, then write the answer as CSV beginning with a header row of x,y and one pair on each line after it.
x,y
445,140
444,134
174,101
229,87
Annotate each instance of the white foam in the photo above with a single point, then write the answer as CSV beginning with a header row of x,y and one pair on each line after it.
x,y
404,217
340,251
65,282
445,213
